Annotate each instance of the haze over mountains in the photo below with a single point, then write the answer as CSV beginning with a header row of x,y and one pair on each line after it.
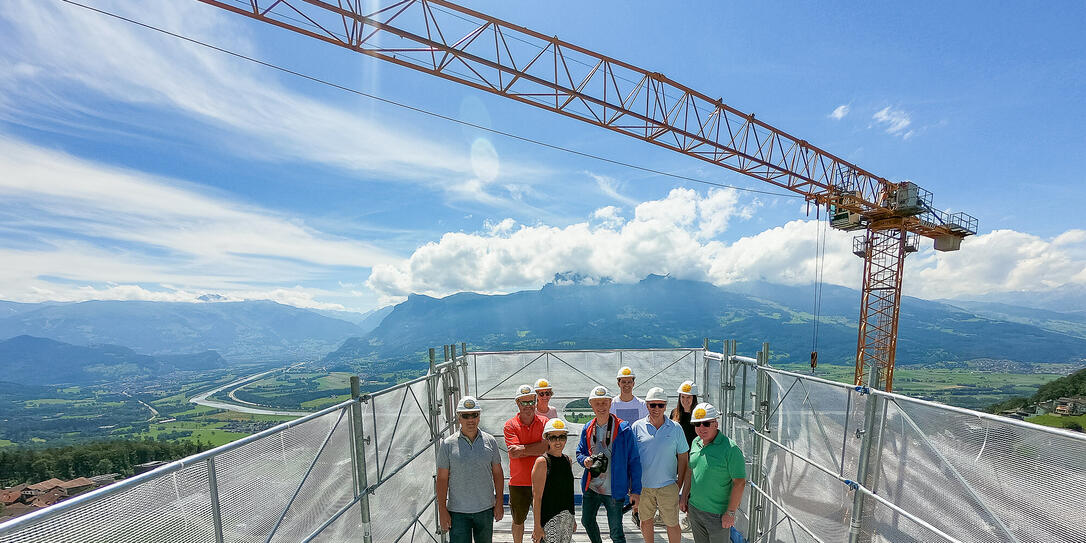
x,y
665,312
655,312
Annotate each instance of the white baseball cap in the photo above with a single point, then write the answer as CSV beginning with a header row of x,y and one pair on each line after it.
x,y
625,371
542,384
704,411
468,404
523,391
657,394
688,387
555,426
599,393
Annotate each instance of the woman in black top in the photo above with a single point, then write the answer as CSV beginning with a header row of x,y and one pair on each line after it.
x,y
552,489
688,398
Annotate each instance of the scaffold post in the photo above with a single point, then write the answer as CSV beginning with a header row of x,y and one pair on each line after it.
x,y
867,469
358,458
755,513
726,388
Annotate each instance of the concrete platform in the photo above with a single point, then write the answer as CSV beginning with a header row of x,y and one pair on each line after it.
x,y
503,530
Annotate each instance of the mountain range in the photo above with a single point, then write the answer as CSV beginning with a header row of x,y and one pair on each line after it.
x,y
32,361
666,312
655,312
248,331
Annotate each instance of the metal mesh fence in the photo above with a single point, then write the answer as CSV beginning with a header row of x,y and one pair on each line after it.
x,y
255,480
946,474
941,473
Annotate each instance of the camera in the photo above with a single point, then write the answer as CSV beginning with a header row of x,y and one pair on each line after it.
x,y
599,464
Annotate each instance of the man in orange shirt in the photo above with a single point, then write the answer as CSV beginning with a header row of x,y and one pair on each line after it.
x,y
524,439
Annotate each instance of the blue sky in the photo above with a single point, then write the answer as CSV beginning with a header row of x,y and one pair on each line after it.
x,y
134,165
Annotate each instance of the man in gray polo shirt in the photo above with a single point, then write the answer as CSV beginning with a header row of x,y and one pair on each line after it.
x,y
469,479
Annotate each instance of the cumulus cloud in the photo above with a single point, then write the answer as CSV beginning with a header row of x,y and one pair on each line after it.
x,y
673,235
894,121
680,235
1000,261
839,112
75,229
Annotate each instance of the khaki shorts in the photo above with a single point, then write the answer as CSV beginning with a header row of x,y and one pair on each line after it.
x,y
664,499
520,499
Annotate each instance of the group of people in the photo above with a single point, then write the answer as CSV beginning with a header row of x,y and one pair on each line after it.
x,y
635,457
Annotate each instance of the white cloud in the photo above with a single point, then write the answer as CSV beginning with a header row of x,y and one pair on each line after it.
x,y
1000,261
895,121
676,236
74,230
609,216
840,111
671,235
46,81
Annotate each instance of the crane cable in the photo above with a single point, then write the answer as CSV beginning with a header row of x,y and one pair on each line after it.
x,y
821,233
425,111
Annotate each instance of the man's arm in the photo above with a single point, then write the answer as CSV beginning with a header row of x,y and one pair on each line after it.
x,y
684,465
442,496
499,490
535,449
512,442
633,467
728,518
582,445
684,491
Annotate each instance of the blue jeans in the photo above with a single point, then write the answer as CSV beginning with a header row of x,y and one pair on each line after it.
x,y
467,526
590,505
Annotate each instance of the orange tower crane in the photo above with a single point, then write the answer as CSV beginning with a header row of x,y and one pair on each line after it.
x,y
463,45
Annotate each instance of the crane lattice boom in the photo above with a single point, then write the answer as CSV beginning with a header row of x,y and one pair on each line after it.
x,y
462,45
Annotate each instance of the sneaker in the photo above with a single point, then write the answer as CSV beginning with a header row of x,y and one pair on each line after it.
x,y
658,521
684,523
636,519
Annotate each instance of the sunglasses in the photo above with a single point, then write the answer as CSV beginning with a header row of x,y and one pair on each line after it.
x,y
704,423
556,438
545,394
469,415
527,403
657,405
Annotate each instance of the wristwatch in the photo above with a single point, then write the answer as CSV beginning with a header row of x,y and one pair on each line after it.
x,y
730,513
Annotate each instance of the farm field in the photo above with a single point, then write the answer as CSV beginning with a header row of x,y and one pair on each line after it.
x,y
970,388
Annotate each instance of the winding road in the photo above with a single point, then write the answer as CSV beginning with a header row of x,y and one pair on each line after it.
x,y
202,399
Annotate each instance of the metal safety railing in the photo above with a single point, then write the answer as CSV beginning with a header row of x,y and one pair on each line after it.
x,y
826,461
359,470
829,461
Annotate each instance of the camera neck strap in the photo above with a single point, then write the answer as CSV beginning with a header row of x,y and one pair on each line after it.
x,y
610,430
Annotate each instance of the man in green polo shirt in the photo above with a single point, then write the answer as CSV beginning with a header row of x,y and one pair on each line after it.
x,y
714,484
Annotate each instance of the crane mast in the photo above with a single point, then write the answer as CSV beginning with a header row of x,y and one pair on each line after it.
x,y
474,49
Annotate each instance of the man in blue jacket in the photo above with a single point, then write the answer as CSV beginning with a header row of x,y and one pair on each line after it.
x,y
611,436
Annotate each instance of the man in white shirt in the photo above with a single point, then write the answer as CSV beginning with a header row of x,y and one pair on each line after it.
x,y
626,406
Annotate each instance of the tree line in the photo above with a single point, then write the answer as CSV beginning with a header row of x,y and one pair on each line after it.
x,y
19,465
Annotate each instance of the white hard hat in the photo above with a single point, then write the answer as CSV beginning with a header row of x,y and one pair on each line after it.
x,y
688,387
555,426
467,404
542,384
625,371
704,411
657,394
599,393
523,391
